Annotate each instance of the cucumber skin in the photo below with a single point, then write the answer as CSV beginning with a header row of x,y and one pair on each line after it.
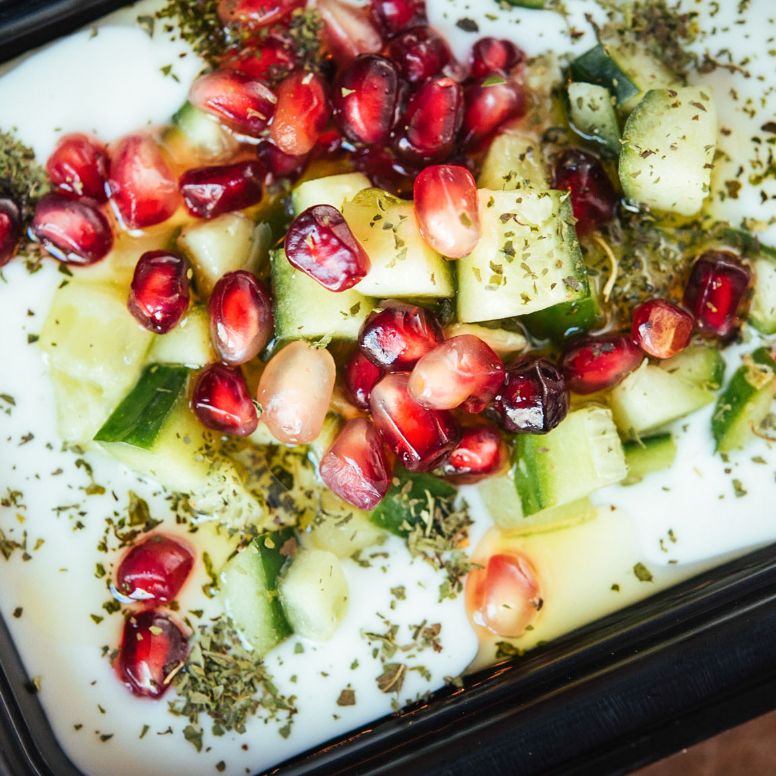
x,y
564,320
648,455
597,67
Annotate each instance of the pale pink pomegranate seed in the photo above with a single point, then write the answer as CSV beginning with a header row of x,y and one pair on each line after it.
x,y
243,103
392,16
491,55
295,392
356,466
397,335
489,103
480,453
268,58
348,30
142,186
71,230
256,13
421,437
279,164
221,401
419,53
159,293
210,191
152,648
446,209
241,322
301,113
601,362
153,570
365,99
661,329
10,229
360,376
457,369
320,244
430,125
79,166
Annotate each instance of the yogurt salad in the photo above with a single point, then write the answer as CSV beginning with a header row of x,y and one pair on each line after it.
x,y
350,348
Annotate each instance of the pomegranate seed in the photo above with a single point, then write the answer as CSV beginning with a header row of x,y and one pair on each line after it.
x,y
505,596
152,647
347,30
398,335
420,437
385,171
365,99
256,13
431,122
600,362
533,399
301,113
71,230
221,401
153,571
10,229
243,103
329,144
295,392
714,291
593,198
490,102
159,293
79,166
394,15
320,244
419,53
481,452
241,322
661,329
211,191
280,165
360,376
454,371
142,186
491,55
356,467
270,58
446,209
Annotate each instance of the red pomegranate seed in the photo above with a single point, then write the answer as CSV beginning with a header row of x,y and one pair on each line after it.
x,y
385,171
142,186
365,99
10,229
419,53
420,437
356,467
241,322
593,197
278,164
395,337
490,102
661,329
534,397
360,376
491,55
347,30
714,291
152,648
446,209
159,293
301,113
480,453
243,103
329,144
153,571
600,362
391,16
210,191
71,230
256,13
430,124
221,401
79,166
269,58
460,368
320,244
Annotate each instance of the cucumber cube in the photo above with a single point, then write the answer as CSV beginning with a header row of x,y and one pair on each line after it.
x,y
593,115
762,311
648,455
502,341
189,343
700,364
332,190
342,529
514,161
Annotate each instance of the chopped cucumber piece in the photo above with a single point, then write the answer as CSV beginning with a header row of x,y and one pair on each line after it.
x,y
581,455
514,161
527,258
403,265
195,133
668,150
305,309
332,190
702,365
565,320
503,341
536,4
81,407
314,593
652,397
140,416
648,455
331,427
746,401
593,115
762,311
249,590
343,529
189,343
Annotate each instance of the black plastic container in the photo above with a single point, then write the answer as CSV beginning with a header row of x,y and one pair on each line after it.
x,y
610,697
